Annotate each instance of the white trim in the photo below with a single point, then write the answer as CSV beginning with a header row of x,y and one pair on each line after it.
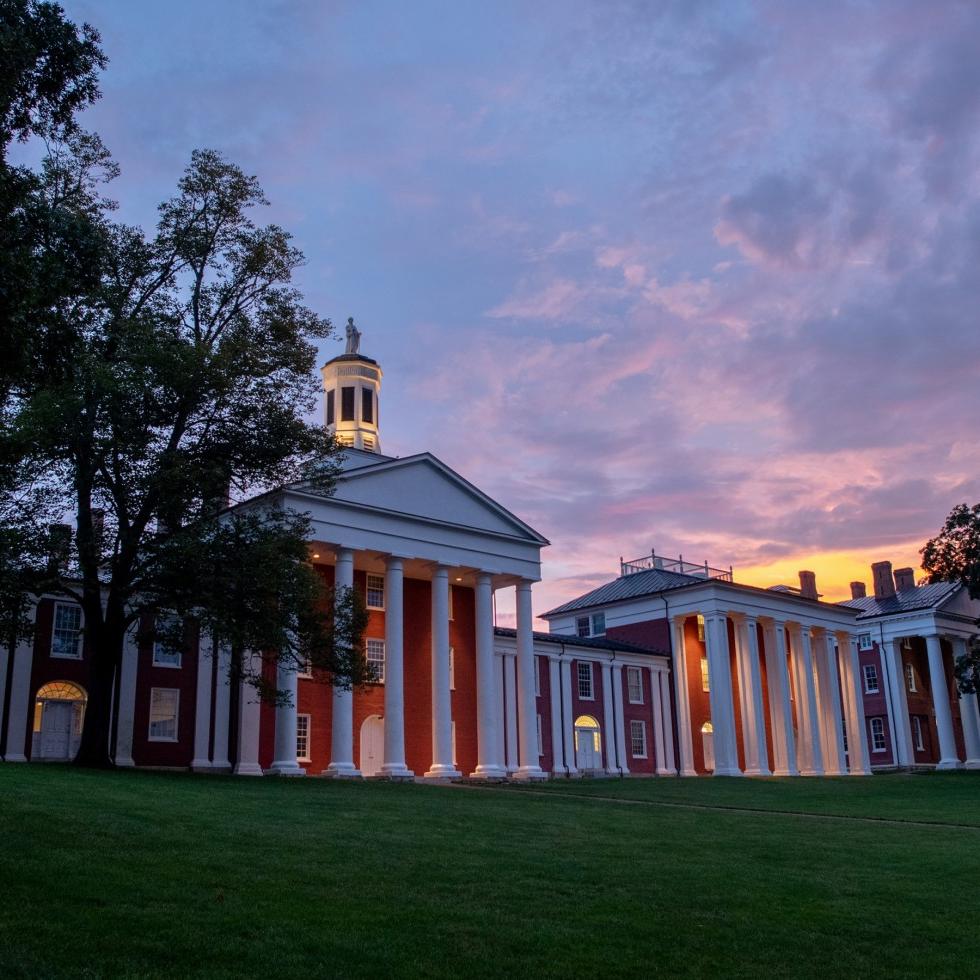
x,y
637,673
643,731
875,734
579,664
452,670
368,589
154,691
864,673
379,665
918,741
309,739
79,654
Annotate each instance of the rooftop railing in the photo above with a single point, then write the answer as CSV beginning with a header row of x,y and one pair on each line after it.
x,y
655,561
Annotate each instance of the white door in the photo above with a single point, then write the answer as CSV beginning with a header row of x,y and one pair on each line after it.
x,y
56,719
372,745
586,749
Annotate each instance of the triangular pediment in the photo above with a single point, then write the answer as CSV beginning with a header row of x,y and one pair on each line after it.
x,y
424,487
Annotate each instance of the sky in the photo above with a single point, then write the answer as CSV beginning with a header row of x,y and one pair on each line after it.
x,y
698,277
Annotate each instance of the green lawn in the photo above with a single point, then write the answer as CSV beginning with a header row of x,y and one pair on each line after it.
x,y
147,874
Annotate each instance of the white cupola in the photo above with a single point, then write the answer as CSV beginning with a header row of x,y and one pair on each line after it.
x,y
352,389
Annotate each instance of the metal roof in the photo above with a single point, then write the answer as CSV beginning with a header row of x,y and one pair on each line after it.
x,y
908,600
630,587
590,642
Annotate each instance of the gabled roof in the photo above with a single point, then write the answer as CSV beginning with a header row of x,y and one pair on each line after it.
x,y
633,586
927,596
589,642
423,486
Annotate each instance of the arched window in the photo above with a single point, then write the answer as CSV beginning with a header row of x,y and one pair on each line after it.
x,y
588,744
59,710
61,691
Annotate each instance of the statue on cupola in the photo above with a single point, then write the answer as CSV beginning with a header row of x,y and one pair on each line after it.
x,y
352,390
353,337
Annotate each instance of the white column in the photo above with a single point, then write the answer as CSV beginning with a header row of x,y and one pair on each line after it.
x,y
489,764
901,731
20,696
222,709
808,749
948,758
510,694
852,684
499,665
567,714
720,689
657,722
828,681
753,705
442,708
342,718
620,722
249,717
394,766
128,671
608,722
668,765
527,714
968,713
557,747
780,703
284,754
685,748
202,704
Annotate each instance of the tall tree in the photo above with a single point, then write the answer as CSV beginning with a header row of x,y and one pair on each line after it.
x,y
184,373
953,555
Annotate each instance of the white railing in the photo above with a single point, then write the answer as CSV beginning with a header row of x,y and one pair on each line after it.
x,y
653,560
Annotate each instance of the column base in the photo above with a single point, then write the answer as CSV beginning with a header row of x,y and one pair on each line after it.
x,y
689,772
762,773
248,769
972,764
946,764
786,772
728,772
442,772
489,772
811,772
292,769
341,770
529,773
666,772
859,772
395,772
224,768
197,765
16,757
126,763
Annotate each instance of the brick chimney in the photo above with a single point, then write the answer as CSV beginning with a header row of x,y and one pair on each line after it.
x,y
904,579
808,585
881,574
59,547
858,590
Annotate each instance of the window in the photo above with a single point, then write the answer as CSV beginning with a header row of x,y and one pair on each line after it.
x,y
305,669
164,709
599,624
540,739
705,684
453,726
451,590
346,404
877,735
638,739
917,733
367,406
634,684
585,680
376,660
870,679
701,630
375,592
452,669
537,678
165,654
331,416
910,677
864,641
66,638
302,738
594,625
582,626
906,642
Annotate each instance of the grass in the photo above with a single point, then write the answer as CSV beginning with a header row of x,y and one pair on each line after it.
x,y
147,874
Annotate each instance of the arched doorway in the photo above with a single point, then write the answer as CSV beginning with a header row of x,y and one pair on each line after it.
x,y
59,711
588,744
372,745
708,745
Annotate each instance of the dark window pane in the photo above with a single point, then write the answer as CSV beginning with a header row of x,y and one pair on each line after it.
x,y
330,408
367,406
346,404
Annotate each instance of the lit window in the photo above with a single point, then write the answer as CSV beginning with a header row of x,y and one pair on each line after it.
x,y
701,630
375,592
917,733
303,738
877,735
66,638
705,685
910,677
870,679
164,708
864,641
634,684
376,660
585,680
540,739
638,739
582,626
165,654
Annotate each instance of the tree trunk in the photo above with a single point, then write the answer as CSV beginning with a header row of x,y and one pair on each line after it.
x,y
107,643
